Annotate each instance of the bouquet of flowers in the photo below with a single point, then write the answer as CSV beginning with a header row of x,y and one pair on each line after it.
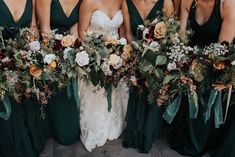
x,y
105,62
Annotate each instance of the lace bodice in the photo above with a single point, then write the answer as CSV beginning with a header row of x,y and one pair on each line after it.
x,y
104,25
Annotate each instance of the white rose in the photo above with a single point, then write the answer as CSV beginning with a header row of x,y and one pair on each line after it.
x,y
49,58
34,46
233,62
58,36
171,66
154,46
66,51
116,61
123,41
146,31
82,58
106,69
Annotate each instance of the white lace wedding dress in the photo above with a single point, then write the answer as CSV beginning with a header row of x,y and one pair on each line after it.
x,y
96,123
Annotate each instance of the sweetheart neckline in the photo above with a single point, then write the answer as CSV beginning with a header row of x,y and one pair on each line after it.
x,y
111,19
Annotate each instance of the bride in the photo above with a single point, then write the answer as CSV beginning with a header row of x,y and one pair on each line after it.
x,y
97,124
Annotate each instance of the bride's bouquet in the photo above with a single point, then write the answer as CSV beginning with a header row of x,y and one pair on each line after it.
x,y
105,61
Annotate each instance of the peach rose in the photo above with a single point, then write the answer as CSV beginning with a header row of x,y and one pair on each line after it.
x,y
160,30
35,71
52,65
68,41
219,66
112,41
126,51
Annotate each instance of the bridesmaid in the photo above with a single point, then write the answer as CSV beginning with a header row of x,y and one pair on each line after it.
x,y
17,140
210,20
63,111
144,122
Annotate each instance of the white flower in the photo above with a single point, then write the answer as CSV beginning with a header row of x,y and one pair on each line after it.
x,y
6,59
82,58
34,46
106,69
133,78
155,21
58,36
171,66
154,46
146,31
116,61
233,62
123,41
66,51
141,26
81,48
49,58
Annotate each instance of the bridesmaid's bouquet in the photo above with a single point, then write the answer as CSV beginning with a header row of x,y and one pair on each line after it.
x,y
109,61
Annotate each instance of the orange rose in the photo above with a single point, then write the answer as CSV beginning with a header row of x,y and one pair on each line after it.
x,y
52,65
126,51
160,30
35,71
219,66
68,41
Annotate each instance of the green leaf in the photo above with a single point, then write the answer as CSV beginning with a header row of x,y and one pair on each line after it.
x,y
81,71
161,60
159,73
103,52
146,66
168,78
46,76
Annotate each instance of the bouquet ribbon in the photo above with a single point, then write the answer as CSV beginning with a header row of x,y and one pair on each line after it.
x,y
72,91
109,89
7,105
215,99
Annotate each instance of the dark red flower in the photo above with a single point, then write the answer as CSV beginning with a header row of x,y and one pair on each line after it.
x,y
77,43
57,45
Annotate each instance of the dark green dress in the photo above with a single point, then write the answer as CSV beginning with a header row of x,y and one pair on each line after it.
x,y
193,137
144,122
227,145
63,110
16,137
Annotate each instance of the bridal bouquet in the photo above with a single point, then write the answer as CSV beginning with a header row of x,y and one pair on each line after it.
x,y
43,65
105,62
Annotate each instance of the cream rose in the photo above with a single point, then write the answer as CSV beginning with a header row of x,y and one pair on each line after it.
x,y
49,58
34,46
82,58
68,41
160,30
116,61
126,51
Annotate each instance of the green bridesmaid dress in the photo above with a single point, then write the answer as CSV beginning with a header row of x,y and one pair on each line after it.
x,y
227,144
16,137
194,137
144,122
62,107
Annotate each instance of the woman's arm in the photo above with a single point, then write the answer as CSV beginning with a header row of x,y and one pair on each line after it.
x,y
122,31
74,30
87,7
168,7
227,32
43,8
184,14
34,20
127,23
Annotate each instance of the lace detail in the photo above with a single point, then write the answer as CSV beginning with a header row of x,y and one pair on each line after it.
x,y
97,124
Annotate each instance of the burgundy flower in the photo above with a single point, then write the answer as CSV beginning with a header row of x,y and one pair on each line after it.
x,y
2,55
77,43
57,45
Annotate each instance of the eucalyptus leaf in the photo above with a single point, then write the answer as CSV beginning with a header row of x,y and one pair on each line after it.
x,y
146,66
161,60
168,78
158,73
103,52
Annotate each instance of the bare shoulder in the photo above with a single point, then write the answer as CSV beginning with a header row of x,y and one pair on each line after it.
x,y
227,8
